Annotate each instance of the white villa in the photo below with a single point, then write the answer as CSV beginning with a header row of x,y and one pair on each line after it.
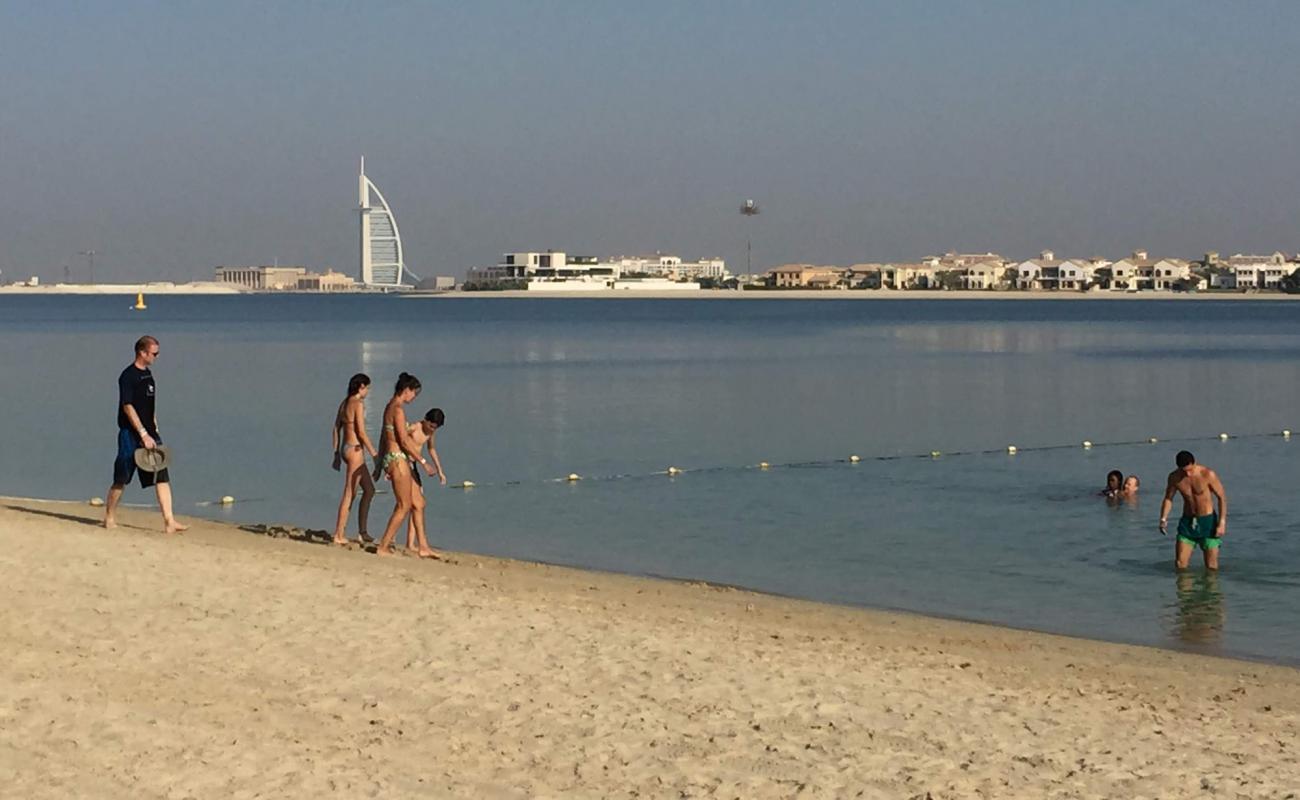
x,y
557,266
1049,272
1253,272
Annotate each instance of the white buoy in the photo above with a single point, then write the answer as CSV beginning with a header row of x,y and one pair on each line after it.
x,y
1286,433
672,471
854,459
935,454
1087,445
227,500
573,477
1223,437
1153,440
1011,450
467,485
97,501
763,465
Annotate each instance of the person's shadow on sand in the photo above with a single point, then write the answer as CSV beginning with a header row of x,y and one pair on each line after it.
x,y
93,521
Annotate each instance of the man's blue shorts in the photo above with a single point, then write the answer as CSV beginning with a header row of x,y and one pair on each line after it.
x,y
124,464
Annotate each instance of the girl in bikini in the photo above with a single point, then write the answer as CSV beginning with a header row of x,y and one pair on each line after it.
x,y
396,445
350,446
423,433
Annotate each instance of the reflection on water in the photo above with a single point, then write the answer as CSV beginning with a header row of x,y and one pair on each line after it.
x,y
1199,614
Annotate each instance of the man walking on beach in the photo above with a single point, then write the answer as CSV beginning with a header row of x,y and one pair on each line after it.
x,y
1200,526
137,426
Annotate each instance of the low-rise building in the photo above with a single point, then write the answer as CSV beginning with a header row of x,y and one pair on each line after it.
x,y
908,276
983,275
285,279
1259,271
556,265
805,276
864,276
327,281
661,265
264,277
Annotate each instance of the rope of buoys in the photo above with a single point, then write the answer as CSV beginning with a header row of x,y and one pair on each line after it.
x,y
765,466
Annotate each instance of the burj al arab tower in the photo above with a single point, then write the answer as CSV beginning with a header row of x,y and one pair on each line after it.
x,y
381,243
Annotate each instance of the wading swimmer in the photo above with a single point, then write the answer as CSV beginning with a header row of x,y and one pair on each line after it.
x,y
396,445
137,426
423,434
350,447
1200,526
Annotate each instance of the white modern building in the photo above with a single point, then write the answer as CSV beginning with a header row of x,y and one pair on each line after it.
x,y
382,264
558,266
673,268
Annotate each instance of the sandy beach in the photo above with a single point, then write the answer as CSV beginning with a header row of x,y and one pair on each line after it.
x,y
226,664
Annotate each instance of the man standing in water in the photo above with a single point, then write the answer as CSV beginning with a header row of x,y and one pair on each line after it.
x,y
137,426
1200,526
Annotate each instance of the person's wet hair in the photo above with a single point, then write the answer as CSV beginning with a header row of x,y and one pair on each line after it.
x,y
1117,475
356,382
1184,459
407,381
435,416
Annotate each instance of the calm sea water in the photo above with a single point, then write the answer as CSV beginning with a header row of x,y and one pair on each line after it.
x,y
618,390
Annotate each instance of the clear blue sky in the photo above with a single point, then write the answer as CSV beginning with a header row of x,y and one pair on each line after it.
x,y
174,137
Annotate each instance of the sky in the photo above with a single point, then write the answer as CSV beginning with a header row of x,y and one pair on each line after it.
x,y
174,137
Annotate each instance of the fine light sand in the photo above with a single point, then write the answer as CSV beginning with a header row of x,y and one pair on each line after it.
x,y
221,664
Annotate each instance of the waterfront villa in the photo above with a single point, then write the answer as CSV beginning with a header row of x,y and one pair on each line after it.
x,y
805,276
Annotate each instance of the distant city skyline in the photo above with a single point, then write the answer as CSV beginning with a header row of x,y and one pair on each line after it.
x,y
170,139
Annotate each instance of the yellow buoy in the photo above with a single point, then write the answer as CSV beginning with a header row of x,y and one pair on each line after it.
x,y
1153,440
467,485
227,500
573,477
139,302
935,454
1286,434
1087,445
763,465
854,459
1223,437
1011,449
672,471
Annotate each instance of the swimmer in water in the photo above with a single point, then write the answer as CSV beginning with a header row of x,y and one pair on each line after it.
x,y
1114,484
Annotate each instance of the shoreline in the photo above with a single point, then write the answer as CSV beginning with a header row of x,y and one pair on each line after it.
x,y
218,290
305,536
219,662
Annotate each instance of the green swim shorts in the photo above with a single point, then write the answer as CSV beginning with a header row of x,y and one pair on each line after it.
x,y
1199,531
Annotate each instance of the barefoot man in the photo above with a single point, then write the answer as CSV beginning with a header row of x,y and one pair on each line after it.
x,y
1200,525
137,426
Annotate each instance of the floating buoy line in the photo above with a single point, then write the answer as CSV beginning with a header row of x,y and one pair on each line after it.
x,y
765,466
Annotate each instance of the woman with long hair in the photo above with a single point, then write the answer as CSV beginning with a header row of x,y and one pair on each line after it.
x,y
396,445
350,446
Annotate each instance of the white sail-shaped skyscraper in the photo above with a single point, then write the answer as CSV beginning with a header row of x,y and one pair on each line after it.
x,y
381,243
